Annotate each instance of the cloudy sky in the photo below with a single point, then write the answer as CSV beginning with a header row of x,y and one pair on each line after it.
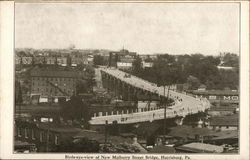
x,y
146,28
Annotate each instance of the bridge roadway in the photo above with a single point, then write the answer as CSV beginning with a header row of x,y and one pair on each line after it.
x,y
184,104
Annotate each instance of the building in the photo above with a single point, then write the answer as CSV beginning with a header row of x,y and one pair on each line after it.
x,y
27,60
39,60
162,149
45,136
50,60
125,65
199,148
147,64
53,82
122,59
17,60
221,96
75,61
90,59
225,68
223,123
62,61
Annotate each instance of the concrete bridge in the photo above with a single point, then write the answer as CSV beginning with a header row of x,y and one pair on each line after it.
x,y
130,87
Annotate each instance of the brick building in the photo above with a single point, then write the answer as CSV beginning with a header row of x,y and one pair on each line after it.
x,y
45,136
53,82
224,96
122,59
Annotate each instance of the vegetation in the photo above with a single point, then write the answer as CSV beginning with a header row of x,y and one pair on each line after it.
x,y
193,70
99,60
76,110
80,145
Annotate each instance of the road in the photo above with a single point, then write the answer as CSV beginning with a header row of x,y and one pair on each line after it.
x,y
184,104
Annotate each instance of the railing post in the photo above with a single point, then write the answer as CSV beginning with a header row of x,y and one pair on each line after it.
x,y
100,114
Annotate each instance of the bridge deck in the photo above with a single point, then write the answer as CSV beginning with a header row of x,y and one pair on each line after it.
x,y
186,105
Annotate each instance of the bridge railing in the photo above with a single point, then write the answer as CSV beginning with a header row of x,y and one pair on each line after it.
x,y
142,115
145,116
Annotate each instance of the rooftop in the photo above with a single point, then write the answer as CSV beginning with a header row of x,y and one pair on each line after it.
x,y
53,72
231,120
93,135
216,92
189,132
162,149
59,128
201,147
226,134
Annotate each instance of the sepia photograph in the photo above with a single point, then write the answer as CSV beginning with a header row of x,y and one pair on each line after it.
x,y
128,80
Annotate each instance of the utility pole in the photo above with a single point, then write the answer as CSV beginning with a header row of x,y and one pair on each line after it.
x,y
47,139
106,133
165,110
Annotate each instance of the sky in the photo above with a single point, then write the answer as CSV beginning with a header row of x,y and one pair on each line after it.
x,y
145,28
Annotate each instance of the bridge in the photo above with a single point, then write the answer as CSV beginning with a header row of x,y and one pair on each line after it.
x,y
130,87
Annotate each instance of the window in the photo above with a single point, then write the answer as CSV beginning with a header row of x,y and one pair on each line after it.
x,y
25,132
19,132
41,136
56,140
32,134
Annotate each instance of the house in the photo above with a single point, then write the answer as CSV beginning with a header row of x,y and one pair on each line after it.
x,y
147,64
45,136
39,60
124,65
24,147
62,61
17,60
162,149
90,59
202,87
229,137
75,61
50,60
27,60
224,123
199,148
165,140
185,134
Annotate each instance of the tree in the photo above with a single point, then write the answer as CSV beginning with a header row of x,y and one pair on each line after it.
x,y
98,60
81,86
137,66
193,82
75,109
18,93
231,59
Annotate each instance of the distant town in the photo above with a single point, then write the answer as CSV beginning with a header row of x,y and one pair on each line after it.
x,y
103,101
